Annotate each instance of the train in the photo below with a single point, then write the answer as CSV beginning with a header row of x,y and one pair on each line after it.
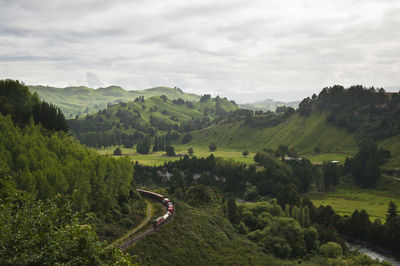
x,y
167,202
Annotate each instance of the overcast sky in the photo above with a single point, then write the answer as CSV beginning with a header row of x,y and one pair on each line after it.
x,y
243,49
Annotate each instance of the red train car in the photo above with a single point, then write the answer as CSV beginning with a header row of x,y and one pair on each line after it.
x,y
150,194
170,207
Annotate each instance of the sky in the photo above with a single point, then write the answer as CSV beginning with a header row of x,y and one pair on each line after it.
x,y
245,50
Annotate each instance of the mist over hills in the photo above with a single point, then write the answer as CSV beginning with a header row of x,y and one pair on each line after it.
x,y
268,105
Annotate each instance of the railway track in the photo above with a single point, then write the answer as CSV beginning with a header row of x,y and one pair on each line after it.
x,y
133,239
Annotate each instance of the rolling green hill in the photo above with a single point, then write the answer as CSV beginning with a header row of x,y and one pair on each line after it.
x,y
304,134
83,100
127,123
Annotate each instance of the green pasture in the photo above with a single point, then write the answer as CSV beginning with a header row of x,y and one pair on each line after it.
x,y
347,198
158,158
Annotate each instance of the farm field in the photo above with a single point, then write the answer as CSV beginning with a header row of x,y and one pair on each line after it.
x,y
347,198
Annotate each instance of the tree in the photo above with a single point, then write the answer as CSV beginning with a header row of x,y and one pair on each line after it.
x,y
245,153
391,212
331,250
331,175
212,147
187,138
170,151
36,232
190,151
232,209
365,166
117,151
281,151
143,147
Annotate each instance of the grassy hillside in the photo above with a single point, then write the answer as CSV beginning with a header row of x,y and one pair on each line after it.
x,y
393,145
83,100
305,134
126,123
199,236
346,198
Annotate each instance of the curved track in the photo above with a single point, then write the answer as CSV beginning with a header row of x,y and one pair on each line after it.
x,y
131,239
131,232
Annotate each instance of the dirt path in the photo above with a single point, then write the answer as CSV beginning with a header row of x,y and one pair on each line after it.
x,y
138,227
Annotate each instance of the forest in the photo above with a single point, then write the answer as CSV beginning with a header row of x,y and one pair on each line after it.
x,y
371,113
42,169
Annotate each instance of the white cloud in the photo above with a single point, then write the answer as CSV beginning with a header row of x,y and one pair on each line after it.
x,y
223,47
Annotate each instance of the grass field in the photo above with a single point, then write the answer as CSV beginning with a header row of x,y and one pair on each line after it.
x,y
158,158
347,198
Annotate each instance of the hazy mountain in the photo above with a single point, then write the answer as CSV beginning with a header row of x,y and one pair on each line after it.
x,y
268,105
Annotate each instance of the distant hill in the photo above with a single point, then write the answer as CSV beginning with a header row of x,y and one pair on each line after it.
x,y
83,100
268,105
128,123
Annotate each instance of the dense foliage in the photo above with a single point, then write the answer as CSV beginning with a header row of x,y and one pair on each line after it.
x,y
48,233
21,105
365,165
359,227
49,165
285,231
371,113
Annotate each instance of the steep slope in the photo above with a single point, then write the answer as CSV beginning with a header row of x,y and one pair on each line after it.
x,y
199,236
305,134
83,100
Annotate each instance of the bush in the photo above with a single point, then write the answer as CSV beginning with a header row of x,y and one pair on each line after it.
x,y
117,151
213,147
331,250
242,229
170,150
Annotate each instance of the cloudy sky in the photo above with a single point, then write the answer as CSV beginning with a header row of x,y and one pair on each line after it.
x,y
243,49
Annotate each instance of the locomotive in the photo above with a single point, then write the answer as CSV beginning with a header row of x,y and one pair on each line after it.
x,y
168,204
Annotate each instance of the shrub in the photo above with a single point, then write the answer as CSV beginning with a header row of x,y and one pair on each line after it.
x,y
117,151
331,250
212,147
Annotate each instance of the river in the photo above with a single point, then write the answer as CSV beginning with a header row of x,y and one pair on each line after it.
x,y
374,254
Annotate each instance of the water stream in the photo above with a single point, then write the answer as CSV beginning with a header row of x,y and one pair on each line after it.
x,y
374,254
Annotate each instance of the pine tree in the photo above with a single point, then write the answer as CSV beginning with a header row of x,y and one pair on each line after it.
x,y
392,211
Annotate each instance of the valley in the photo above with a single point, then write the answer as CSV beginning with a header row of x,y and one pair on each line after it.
x,y
273,187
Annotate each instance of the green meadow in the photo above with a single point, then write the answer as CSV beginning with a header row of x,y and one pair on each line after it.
x,y
159,158
346,198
